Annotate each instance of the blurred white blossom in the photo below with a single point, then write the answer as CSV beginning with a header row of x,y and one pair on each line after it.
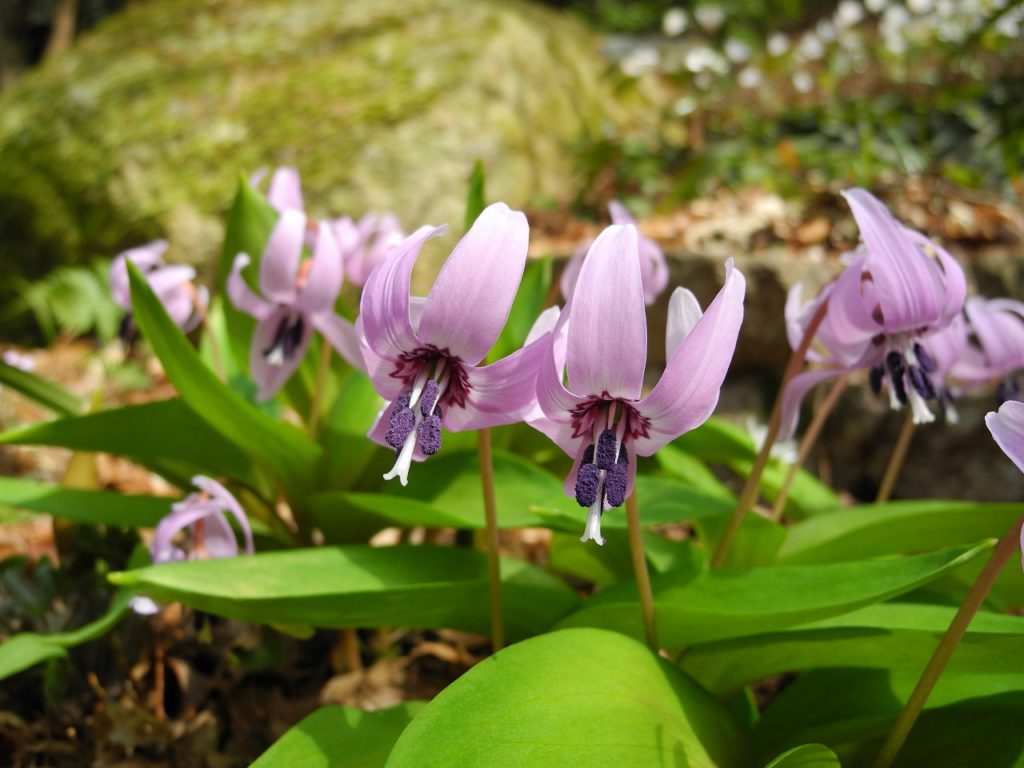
x,y
802,81
849,13
675,22
736,50
778,44
710,17
749,77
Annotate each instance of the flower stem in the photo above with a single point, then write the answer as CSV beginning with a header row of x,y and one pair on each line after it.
x,y
975,597
483,437
643,578
318,392
751,487
899,454
809,439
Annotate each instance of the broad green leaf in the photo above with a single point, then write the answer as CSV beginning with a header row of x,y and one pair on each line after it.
x,y
82,506
899,637
282,450
46,393
27,649
347,450
851,711
721,604
249,224
897,526
165,435
806,756
340,737
576,697
756,543
529,303
692,470
422,587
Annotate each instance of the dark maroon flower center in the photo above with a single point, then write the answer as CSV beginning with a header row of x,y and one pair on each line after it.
x,y
440,365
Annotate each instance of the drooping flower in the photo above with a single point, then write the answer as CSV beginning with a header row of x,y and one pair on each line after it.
x,y
365,243
599,418
997,354
653,267
897,288
423,355
946,348
23,361
1007,428
285,190
172,283
298,296
208,533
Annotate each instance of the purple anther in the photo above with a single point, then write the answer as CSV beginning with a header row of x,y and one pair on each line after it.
x,y
894,362
293,337
400,425
428,433
1008,389
919,379
604,456
587,483
616,480
428,398
927,362
402,401
899,387
875,379
588,455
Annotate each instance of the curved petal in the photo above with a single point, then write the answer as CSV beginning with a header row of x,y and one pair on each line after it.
x,y
908,284
469,302
954,280
619,213
688,390
999,328
183,514
241,295
280,264
341,335
555,402
179,301
218,537
683,314
378,367
269,377
607,343
323,282
571,272
145,257
500,393
1007,427
227,500
285,190
384,306
947,346
653,269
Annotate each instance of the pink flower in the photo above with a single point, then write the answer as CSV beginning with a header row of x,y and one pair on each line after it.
x,y
653,267
898,288
285,190
997,351
1007,427
365,243
172,284
600,418
298,296
424,354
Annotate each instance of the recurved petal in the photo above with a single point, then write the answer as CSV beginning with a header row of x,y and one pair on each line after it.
x,y
688,390
384,307
282,255
1007,427
999,327
270,377
285,190
500,393
183,514
469,302
229,503
341,335
909,285
607,336
241,295
571,272
146,257
323,282
653,269
683,314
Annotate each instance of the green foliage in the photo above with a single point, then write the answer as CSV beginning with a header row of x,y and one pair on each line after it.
x,y
71,299
46,393
576,697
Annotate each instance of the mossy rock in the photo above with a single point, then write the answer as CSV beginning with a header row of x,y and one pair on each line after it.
x,y
143,129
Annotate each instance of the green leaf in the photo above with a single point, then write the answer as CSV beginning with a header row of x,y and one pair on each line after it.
x,y
165,435
721,604
806,756
897,526
82,506
476,198
340,737
27,649
347,450
422,587
692,471
530,301
577,697
282,450
46,393
899,637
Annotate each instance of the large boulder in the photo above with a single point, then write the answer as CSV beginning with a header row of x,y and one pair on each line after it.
x,y
143,129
